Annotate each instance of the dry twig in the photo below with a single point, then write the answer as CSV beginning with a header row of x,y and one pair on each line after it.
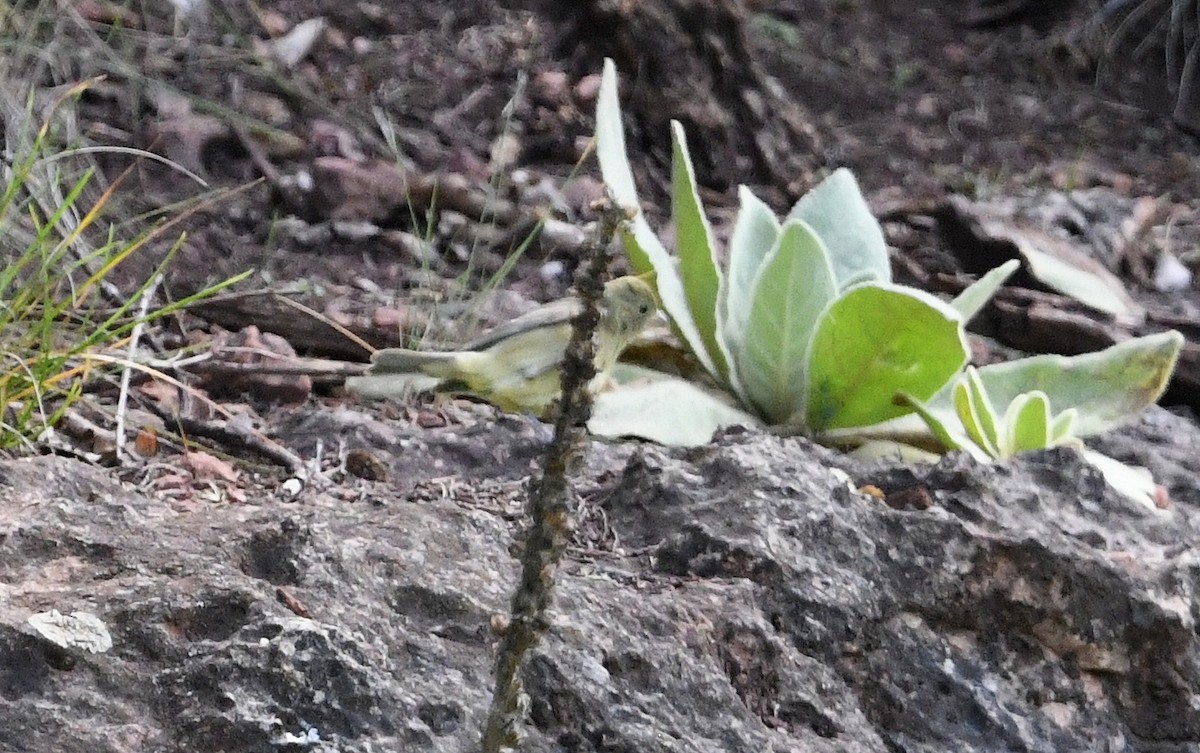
x,y
549,506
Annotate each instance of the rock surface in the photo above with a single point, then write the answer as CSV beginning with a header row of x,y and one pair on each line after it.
x,y
742,597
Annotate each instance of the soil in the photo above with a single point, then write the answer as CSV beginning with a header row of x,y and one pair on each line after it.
x,y
915,102
920,99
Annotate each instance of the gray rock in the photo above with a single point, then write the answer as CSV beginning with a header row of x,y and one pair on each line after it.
x,y
741,597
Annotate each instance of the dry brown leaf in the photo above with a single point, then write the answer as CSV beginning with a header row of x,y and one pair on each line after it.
x,y
206,466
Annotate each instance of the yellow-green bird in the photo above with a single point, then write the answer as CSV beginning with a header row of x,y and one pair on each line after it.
x,y
516,366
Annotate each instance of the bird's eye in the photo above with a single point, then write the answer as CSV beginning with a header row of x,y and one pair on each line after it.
x,y
644,309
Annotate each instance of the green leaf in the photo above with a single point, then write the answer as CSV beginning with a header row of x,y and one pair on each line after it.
x,y
1106,388
639,260
972,300
792,288
873,342
977,417
1027,423
610,142
985,410
1063,425
646,252
837,211
940,431
697,262
755,232
663,409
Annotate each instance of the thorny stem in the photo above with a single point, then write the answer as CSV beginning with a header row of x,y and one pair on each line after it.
x,y
549,508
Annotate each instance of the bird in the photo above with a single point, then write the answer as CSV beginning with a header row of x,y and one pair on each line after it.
x,y
516,366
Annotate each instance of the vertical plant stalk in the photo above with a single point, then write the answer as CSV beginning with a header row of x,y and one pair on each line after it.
x,y
135,338
549,508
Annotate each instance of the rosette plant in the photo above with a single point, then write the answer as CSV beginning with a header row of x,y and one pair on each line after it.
x,y
799,325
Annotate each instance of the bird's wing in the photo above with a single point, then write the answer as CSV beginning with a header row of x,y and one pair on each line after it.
x,y
548,315
533,353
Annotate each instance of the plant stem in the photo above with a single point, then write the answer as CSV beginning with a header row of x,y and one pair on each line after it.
x,y
549,507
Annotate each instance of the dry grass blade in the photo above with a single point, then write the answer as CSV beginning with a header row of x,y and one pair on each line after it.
x,y
59,310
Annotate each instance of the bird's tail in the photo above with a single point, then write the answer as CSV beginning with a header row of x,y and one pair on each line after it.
x,y
396,373
402,361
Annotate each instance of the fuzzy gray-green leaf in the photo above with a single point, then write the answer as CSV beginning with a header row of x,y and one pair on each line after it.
x,y
697,262
754,235
1107,388
837,211
977,294
646,252
792,288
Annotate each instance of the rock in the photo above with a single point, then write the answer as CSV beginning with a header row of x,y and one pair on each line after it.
x,y
751,600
